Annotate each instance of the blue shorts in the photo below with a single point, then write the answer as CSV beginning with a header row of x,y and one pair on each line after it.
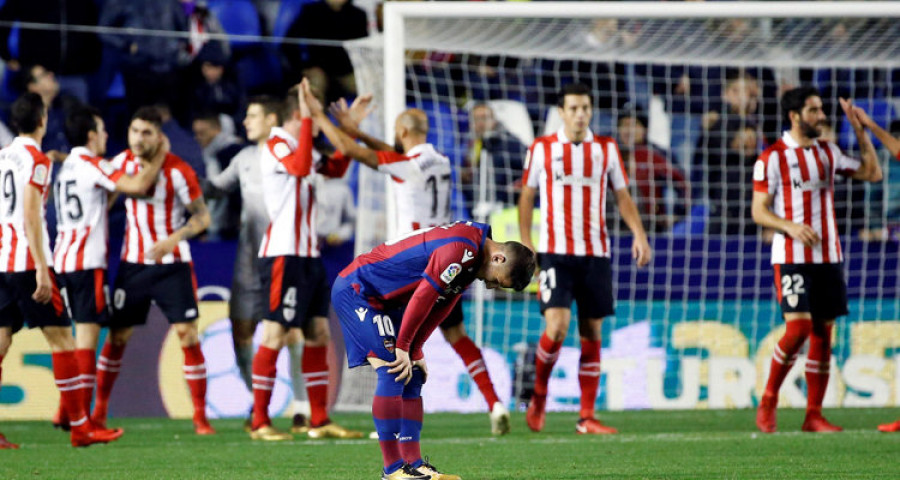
x,y
368,332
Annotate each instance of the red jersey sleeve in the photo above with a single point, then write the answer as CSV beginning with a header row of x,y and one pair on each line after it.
x,y
334,166
299,161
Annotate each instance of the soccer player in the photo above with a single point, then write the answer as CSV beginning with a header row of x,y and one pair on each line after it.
x,y
81,193
391,299
248,302
573,169
793,194
156,263
292,272
422,193
28,289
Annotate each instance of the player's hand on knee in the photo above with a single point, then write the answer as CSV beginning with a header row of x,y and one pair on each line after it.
x,y
402,366
43,292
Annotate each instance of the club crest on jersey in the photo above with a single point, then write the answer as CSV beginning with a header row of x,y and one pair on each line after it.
x,y
389,344
40,174
361,313
759,171
281,150
289,314
451,272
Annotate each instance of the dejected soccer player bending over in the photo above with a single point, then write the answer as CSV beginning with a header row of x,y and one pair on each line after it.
x,y
793,193
391,299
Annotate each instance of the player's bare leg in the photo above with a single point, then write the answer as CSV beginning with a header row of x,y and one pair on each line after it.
x,y
108,366
264,375
798,327
547,352
5,342
315,376
301,412
194,373
589,377
86,337
818,365
65,370
474,361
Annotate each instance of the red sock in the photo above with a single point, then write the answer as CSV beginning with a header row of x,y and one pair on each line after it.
x,y
589,375
263,383
195,374
387,411
68,381
315,376
545,358
818,365
87,366
785,353
474,361
108,366
410,429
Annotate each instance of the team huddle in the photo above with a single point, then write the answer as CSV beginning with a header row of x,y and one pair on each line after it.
x,y
391,299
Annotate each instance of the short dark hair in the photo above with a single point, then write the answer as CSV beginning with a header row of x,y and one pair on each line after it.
x,y
572,89
81,121
149,114
26,76
522,264
291,103
793,100
210,117
270,105
637,114
894,128
27,113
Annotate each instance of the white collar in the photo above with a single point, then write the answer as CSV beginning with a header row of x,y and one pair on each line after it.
x,y
561,135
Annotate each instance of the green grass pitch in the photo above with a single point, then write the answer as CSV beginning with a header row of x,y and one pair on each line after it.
x,y
652,445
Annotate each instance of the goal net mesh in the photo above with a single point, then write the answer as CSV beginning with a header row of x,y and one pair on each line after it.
x,y
692,103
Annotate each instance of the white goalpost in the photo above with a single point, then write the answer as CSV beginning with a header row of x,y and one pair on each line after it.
x,y
695,329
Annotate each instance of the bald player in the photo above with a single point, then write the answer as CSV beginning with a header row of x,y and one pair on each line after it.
x,y
421,191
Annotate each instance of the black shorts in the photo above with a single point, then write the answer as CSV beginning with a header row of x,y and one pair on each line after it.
x,y
819,289
455,317
86,295
297,289
587,280
17,308
172,287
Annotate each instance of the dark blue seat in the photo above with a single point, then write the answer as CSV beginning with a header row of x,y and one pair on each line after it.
x,y
238,17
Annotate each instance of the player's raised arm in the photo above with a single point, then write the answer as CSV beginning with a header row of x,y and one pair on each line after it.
x,y
349,118
870,170
883,136
339,139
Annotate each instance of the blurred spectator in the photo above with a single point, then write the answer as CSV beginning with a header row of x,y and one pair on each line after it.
x,y
200,50
149,63
218,150
724,153
182,141
493,171
214,91
6,135
652,174
328,68
335,222
72,55
41,81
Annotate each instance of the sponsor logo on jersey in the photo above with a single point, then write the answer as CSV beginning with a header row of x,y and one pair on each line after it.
x,y
467,255
40,174
361,313
451,272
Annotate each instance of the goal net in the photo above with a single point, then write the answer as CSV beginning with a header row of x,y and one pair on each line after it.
x,y
692,96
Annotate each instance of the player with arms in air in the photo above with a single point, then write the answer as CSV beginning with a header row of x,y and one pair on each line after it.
x,y
573,170
421,191
156,263
291,270
83,189
391,299
28,287
793,194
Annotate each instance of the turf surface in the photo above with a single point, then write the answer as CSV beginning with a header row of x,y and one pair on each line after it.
x,y
653,444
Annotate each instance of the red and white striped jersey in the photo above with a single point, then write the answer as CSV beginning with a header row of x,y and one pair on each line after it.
x,y
155,218
21,164
802,183
572,179
421,187
81,196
